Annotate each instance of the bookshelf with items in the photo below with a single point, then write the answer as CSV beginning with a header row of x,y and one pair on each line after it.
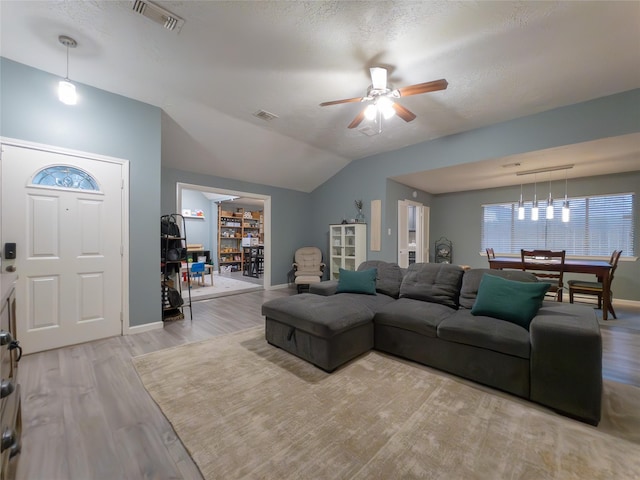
x,y
348,247
237,228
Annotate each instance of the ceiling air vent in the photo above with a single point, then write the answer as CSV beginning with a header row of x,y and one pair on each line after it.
x,y
159,15
264,115
368,130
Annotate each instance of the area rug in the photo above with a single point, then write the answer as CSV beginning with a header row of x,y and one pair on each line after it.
x,y
245,409
222,286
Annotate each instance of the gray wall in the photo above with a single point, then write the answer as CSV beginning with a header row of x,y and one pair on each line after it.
x,y
367,178
107,124
457,216
291,214
198,230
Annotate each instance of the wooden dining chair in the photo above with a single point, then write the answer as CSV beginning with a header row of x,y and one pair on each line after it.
x,y
490,253
595,288
552,272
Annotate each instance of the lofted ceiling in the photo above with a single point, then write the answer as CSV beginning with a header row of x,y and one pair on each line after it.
x,y
229,60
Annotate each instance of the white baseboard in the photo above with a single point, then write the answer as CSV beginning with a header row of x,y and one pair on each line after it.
x,y
277,287
626,303
147,327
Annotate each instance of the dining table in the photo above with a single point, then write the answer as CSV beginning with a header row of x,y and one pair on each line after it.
x,y
600,268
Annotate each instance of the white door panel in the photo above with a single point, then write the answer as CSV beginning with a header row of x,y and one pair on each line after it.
x,y
403,233
68,253
421,234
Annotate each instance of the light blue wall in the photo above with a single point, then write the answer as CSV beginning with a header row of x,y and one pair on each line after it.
x,y
463,227
291,214
106,124
198,230
367,178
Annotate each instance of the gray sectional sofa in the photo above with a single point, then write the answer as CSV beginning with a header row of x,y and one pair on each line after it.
x,y
424,314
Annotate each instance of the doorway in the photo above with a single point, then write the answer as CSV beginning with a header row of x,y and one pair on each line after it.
x,y
229,275
413,233
65,211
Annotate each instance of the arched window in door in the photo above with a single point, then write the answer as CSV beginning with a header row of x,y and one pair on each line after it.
x,y
64,176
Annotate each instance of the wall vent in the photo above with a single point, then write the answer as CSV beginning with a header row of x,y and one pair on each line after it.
x,y
159,15
264,115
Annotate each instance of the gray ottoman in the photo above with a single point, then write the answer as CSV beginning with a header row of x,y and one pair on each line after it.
x,y
326,331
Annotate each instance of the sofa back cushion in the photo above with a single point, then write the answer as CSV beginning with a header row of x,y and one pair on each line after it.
x,y
389,276
471,282
433,282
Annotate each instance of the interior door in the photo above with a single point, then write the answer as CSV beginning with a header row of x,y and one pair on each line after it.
x,y
64,212
413,233
403,233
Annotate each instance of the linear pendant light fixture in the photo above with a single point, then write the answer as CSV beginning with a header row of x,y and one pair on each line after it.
x,y
549,210
66,89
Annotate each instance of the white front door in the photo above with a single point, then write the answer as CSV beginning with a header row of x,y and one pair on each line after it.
x,y
68,239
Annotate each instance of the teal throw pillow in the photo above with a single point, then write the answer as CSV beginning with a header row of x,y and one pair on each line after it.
x,y
515,302
357,282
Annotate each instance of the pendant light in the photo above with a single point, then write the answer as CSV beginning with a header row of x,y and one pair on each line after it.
x,y
520,206
550,202
534,208
565,204
66,89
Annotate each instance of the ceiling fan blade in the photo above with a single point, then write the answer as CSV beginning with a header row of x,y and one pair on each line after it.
x,y
336,102
423,87
403,113
378,78
356,121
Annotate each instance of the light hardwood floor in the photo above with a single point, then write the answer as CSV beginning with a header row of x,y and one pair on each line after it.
x,y
87,416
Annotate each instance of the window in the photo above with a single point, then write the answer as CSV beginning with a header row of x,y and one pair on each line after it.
x,y
64,176
598,225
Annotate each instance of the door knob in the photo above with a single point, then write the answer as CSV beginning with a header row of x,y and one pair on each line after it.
x,y
11,268
6,388
8,439
5,337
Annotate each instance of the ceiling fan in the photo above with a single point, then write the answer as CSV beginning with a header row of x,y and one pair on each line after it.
x,y
382,95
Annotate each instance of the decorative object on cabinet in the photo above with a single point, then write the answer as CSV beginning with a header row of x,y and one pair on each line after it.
x,y
443,251
173,254
10,401
359,216
348,247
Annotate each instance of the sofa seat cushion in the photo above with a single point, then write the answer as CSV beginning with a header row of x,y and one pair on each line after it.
x,y
324,316
486,332
413,315
433,282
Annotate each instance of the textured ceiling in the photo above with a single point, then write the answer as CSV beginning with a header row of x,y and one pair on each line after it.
x,y
503,60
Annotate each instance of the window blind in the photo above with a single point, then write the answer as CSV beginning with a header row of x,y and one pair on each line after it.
x,y
598,225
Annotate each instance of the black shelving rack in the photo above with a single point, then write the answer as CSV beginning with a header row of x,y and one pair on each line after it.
x,y
173,254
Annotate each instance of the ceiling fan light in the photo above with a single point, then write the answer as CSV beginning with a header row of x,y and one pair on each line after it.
x,y
370,112
378,78
385,105
67,92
